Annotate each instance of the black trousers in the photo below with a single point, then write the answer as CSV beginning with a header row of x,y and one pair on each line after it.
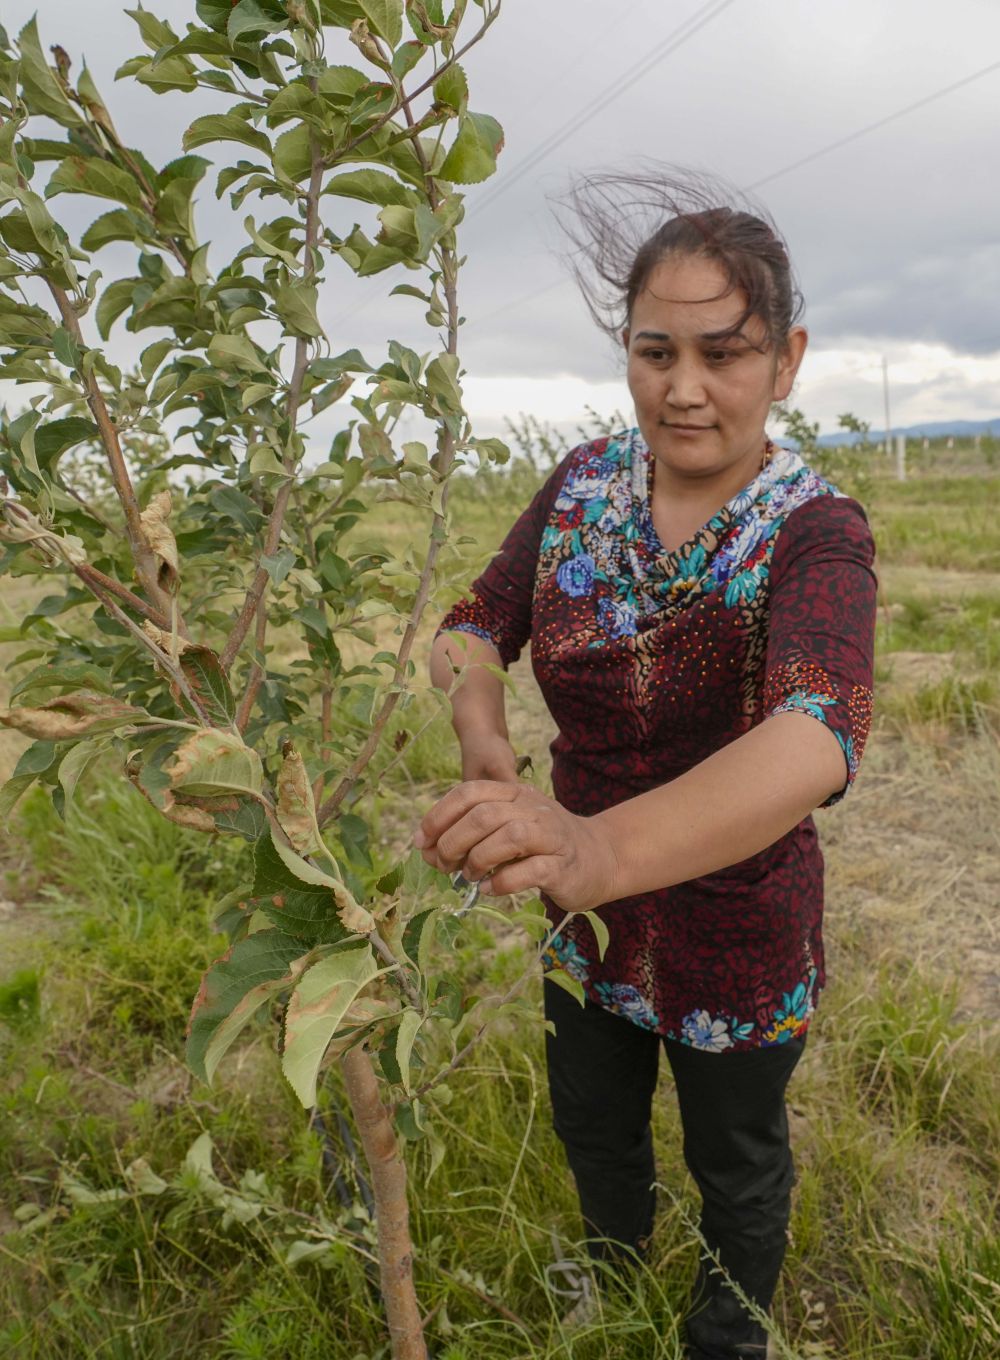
x,y
602,1073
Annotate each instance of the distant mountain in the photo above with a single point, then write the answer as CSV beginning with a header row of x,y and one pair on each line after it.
x,y
930,429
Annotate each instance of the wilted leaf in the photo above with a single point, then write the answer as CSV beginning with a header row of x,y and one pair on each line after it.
x,y
315,1011
156,530
296,809
212,762
73,715
473,154
232,991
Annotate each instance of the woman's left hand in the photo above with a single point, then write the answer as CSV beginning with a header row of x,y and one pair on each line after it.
x,y
509,837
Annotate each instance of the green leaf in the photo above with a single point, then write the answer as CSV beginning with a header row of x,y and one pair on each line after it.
x,y
418,937
292,154
452,88
315,1011
473,155
39,757
57,436
42,91
209,682
76,762
99,178
212,762
370,186
395,1053
117,225
406,57
236,506
278,566
224,127
295,303
569,984
442,382
306,910
600,930
115,299
233,989
235,351
385,17
64,347
252,17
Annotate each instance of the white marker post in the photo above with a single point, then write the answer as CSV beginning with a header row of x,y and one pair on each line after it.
x,y
901,457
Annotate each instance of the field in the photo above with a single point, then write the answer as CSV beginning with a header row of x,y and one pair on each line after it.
x,y
125,1232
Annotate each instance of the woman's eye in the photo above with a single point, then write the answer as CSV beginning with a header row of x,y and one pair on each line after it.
x,y
721,356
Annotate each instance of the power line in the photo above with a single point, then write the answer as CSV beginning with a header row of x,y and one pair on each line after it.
x,y
787,169
670,44
872,127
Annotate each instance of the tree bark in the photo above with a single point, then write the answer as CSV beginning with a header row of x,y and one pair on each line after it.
x,y
388,1179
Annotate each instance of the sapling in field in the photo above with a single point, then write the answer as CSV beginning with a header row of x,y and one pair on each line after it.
x,y
215,618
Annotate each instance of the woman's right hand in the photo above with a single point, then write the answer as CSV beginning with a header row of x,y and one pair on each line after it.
x,y
488,756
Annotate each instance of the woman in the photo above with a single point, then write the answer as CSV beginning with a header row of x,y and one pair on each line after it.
x,y
700,607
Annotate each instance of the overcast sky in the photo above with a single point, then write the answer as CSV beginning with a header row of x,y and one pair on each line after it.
x,y
894,235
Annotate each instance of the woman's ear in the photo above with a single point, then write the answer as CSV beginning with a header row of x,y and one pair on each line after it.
x,y
788,361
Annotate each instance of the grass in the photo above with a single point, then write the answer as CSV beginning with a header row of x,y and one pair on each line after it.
x,y
895,1108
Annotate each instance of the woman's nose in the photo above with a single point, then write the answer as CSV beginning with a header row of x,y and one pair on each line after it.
x,y
686,386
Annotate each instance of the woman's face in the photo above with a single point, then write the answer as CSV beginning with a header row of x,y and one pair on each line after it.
x,y
701,401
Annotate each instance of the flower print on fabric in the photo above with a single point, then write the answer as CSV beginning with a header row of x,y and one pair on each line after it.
x,y
700,1030
792,1016
563,953
616,617
627,1001
652,660
576,577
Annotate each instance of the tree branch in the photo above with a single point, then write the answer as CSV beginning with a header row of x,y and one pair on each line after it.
x,y
380,122
91,577
258,586
508,996
146,566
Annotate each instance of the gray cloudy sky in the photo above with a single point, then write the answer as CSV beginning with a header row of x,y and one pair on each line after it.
x,y
894,235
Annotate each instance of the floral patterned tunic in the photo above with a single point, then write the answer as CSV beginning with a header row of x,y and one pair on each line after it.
x,y
649,662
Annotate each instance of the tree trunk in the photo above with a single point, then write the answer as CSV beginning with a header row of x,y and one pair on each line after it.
x,y
388,1177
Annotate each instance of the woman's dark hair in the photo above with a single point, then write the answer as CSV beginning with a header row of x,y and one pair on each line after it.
x,y
621,225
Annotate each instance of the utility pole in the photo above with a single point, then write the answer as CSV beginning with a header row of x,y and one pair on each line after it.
x,y
885,393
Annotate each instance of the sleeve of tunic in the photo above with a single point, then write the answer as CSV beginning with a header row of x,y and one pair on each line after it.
x,y
498,607
821,636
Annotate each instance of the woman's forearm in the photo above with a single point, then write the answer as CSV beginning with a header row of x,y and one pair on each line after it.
x,y
727,808
477,703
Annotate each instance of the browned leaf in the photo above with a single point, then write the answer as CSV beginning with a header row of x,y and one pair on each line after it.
x,y
160,538
72,715
296,808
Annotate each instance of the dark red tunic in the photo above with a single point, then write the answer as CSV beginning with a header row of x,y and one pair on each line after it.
x,y
649,662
